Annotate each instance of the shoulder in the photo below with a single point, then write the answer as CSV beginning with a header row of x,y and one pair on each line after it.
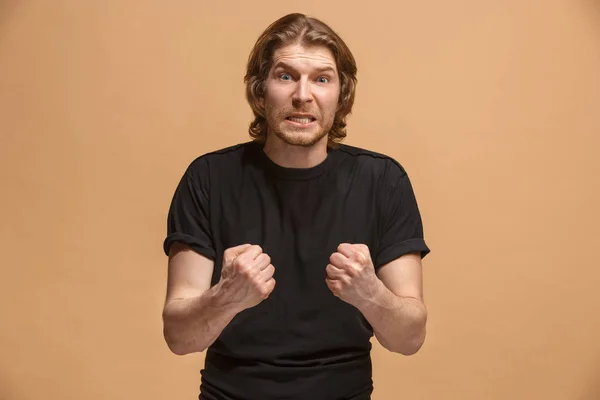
x,y
382,165
230,156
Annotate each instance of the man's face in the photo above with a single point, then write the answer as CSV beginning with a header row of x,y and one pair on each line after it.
x,y
301,96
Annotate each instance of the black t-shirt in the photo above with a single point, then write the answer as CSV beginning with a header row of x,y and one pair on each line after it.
x,y
302,342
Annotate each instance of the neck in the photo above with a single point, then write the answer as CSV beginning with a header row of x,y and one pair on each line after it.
x,y
290,156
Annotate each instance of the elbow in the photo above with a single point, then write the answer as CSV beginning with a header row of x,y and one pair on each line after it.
x,y
415,341
175,342
412,341
179,351
177,347
409,348
406,346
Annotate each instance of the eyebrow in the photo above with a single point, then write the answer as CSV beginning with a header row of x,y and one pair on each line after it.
x,y
284,65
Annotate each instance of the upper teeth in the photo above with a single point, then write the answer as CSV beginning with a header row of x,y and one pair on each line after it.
x,y
302,120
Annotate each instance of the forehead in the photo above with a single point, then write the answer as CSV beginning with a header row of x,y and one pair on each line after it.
x,y
302,56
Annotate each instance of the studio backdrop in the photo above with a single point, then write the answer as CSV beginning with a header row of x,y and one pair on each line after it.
x,y
492,107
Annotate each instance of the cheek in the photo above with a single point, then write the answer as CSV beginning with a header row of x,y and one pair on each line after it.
x,y
271,104
275,104
330,103
276,95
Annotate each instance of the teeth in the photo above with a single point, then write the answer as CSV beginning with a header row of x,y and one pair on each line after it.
x,y
301,120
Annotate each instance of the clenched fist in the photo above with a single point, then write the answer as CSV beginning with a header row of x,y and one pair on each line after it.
x,y
351,274
246,276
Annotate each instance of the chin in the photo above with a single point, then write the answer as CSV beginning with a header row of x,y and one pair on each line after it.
x,y
303,139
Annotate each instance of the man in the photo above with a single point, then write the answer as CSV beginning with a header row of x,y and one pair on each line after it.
x,y
289,252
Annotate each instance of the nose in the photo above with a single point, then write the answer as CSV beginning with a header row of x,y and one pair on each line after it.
x,y
302,92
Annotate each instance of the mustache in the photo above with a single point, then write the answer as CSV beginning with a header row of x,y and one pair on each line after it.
x,y
289,112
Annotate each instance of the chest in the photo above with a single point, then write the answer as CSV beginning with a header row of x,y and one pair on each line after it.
x,y
299,223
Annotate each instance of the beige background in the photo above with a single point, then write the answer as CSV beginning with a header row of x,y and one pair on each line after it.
x,y
492,106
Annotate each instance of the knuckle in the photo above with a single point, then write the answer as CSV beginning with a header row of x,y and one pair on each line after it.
x,y
352,272
242,268
264,291
348,264
229,251
237,263
228,256
361,257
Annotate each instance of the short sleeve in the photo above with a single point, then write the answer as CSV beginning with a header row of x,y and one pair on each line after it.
x,y
188,220
401,223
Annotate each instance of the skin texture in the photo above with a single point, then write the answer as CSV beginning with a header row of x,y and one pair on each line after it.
x,y
392,302
303,81
195,314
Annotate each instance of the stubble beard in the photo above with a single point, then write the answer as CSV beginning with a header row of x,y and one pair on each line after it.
x,y
296,136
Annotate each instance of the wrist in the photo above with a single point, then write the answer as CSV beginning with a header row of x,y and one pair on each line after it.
x,y
379,295
221,299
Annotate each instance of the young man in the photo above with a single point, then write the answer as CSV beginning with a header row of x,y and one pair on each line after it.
x,y
289,252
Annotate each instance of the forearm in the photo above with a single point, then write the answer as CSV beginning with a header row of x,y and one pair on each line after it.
x,y
399,323
193,324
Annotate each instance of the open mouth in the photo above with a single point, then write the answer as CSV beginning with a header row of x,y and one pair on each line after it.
x,y
301,120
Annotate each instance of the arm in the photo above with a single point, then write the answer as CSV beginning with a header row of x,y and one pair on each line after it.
x,y
194,314
394,306
397,311
392,302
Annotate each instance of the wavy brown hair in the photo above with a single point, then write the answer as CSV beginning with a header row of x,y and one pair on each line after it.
x,y
299,29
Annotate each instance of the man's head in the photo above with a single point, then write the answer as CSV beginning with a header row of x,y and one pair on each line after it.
x,y
300,82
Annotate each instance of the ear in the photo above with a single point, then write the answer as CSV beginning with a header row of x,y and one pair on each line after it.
x,y
261,102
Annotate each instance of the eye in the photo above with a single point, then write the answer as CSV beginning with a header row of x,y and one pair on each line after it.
x,y
323,79
285,77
